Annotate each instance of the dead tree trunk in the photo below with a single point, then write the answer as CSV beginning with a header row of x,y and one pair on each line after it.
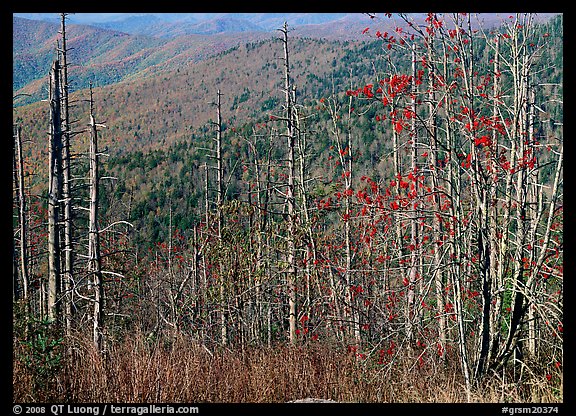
x,y
68,264
94,259
458,245
495,228
439,275
301,146
22,220
519,298
413,270
290,197
54,194
219,202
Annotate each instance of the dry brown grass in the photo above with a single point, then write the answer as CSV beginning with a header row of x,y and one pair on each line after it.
x,y
181,371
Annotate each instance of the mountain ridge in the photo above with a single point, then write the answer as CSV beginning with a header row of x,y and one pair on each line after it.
x,y
103,55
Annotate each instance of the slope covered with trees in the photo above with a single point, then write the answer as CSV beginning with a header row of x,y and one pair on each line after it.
x,y
397,202
104,57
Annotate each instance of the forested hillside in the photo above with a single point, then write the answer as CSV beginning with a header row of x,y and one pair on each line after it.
x,y
394,203
103,56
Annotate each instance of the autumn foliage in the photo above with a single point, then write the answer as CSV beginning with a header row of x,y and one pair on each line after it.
x,y
425,265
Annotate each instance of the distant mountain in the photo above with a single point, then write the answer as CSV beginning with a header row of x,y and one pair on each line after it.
x,y
105,56
177,24
151,25
164,25
272,21
220,25
77,18
105,53
174,103
132,24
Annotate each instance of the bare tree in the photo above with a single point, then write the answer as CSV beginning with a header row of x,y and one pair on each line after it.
x,y
22,209
291,271
54,194
94,257
220,217
68,263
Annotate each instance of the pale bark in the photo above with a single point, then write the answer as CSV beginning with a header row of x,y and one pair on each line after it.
x,y
432,127
94,257
68,264
22,220
220,220
494,215
413,269
54,195
291,270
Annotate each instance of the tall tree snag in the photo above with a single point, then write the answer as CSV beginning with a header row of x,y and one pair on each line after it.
x,y
68,263
220,219
22,220
94,258
54,194
290,196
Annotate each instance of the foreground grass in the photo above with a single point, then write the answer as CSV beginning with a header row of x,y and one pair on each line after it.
x,y
181,371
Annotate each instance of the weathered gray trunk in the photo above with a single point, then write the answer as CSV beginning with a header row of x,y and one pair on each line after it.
x,y
94,258
494,226
219,202
520,68
67,272
413,269
22,220
435,184
290,196
54,194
